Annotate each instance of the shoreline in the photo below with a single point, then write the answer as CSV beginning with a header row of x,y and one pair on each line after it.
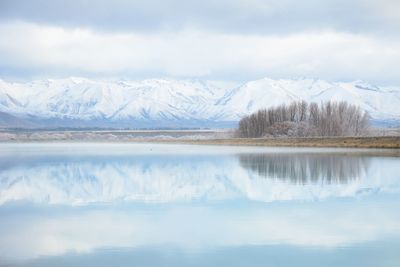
x,y
389,142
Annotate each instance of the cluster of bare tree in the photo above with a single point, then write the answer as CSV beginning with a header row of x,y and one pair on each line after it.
x,y
303,119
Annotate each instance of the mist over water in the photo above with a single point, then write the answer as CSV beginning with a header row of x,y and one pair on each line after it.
x,y
183,205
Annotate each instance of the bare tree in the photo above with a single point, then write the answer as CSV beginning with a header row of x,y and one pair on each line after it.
x,y
303,119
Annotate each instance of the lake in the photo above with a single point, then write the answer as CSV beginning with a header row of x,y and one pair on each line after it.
x,y
103,204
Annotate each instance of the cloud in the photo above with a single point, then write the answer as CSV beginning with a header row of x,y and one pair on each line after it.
x,y
227,16
217,39
55,50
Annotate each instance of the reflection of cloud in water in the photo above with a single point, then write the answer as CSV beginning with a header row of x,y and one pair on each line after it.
x,y
307,168
30,232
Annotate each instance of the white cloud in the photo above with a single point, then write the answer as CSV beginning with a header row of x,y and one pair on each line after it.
x,y
194,53
226,16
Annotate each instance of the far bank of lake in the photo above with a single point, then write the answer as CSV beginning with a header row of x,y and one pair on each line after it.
x,y
208,137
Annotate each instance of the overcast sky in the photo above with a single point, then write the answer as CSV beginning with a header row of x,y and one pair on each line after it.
x,y
235,40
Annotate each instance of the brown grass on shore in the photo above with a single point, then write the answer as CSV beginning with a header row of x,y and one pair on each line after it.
x,y
351,142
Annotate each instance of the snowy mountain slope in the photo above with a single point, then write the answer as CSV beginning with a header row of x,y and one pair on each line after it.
x,y
381,103
94,103
163,102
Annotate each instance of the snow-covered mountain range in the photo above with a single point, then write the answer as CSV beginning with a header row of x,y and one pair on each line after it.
x,y
80,102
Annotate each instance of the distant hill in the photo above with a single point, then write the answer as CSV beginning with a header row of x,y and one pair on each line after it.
x,y
10,121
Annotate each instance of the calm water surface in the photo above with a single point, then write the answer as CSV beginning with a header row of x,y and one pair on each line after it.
x,y
182,205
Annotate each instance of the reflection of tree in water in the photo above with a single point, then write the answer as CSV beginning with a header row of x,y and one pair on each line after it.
x,y
306,168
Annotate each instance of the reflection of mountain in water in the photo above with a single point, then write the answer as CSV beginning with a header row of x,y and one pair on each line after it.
x,y
69,178
306,168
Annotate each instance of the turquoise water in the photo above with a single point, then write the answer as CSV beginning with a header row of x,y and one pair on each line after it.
x,y
183,205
